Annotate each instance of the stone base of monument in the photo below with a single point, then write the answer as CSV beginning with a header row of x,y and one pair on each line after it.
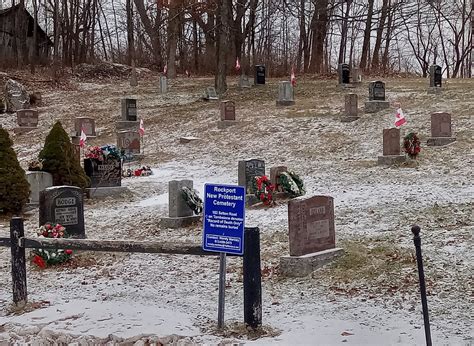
x,y
389,160
251,200
297,266
346,119
376,106
223,124
440,141
285,103
103,192
345,86
133,157
178,222
184,140
123,125
23,129
435,90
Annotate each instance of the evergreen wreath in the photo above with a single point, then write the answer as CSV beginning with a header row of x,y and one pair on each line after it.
x,y
192,199
42,257
263,189
292,184
412,145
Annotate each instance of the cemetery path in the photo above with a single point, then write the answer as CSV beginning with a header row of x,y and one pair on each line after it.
x,y
370,297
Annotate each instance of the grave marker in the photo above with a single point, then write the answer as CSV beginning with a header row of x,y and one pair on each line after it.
x,y
312,235
351,111
377,101
27,120
274,176
260,74
244,81
63,205
211,94
391,148
436,76
248,170
179,213
129,109
106,173
441,131
129,141
356,75
163,85
344,73
38,181
88,124
227,110
285,94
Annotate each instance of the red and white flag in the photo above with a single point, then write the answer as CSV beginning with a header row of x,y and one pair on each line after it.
x,y
400,118
141,130
187,73
165,69
293,77
237,64
82,140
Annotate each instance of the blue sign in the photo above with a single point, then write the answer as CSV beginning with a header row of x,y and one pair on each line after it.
x,y
224,218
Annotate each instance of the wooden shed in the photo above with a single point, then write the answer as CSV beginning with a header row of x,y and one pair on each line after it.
x,y
20,23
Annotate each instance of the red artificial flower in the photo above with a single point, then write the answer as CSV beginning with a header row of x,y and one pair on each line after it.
x,y
45,234
262,196
39,261
68,252
138,172
55,234
48,226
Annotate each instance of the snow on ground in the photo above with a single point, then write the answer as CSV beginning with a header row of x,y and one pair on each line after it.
x,y
368,298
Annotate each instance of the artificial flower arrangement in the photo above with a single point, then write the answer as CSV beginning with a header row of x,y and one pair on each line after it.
x,y
103,153
144,171
42,258
192,199
264,189
412,145
292,184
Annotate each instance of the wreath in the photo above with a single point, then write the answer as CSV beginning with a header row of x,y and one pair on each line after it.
x,y
42,258
192,199
263,189
412,145
292,184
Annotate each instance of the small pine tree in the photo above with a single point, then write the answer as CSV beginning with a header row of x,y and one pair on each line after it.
x,y
59,159
14,188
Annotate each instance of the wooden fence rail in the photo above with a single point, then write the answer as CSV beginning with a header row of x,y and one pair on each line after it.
x,y
252,274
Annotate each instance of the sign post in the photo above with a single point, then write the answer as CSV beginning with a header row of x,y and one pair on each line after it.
x,y
223,231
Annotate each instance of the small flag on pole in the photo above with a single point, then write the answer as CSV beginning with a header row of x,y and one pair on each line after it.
x,y
237,64
293,77
188,74
82,140
141,130
400,118
165,69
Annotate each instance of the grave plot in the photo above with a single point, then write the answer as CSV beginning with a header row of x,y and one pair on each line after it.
x,y
374,207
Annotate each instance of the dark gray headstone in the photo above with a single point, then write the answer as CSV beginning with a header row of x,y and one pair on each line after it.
x,y
259,74
106,173
311,225
163,85
377,91
244,81
285,94
211,94
129,109
344,73
63,205
436,76
248,170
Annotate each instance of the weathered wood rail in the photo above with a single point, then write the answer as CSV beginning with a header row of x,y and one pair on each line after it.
x,y
251,260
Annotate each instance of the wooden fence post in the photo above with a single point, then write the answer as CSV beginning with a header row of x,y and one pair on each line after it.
x,y
18,262
252,278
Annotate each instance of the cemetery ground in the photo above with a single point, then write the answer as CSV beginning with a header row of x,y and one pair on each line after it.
x,y
369,296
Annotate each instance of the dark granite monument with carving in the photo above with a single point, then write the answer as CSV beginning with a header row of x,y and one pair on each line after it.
x,y
377,100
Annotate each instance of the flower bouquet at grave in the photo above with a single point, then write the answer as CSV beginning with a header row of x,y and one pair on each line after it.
x,y
264,189
292,184
42,258
412,145
192,199
104,153
35,165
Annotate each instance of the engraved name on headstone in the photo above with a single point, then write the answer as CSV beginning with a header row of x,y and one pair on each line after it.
x,y
248,170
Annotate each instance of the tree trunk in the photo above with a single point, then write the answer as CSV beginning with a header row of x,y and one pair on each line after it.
x,y
130,36
364,58
378,40
223,11
319,23
173,33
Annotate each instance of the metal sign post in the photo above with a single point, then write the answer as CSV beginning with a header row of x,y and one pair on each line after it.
x,y
223,229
